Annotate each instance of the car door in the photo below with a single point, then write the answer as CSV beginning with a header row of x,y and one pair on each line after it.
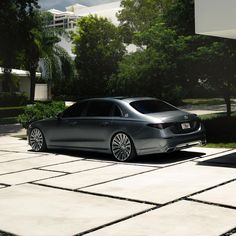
x,y
97,126
68,130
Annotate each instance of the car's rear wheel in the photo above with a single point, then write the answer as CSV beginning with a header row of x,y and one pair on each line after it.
x,y
122,147
36,140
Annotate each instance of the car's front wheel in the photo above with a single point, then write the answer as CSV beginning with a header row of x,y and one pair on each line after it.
x,y
36,140
122,147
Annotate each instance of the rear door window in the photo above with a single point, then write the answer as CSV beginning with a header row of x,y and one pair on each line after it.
x,y
116,111
100,108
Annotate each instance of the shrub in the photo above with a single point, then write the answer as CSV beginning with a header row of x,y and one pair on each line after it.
x,y
12,99
40,111
219,128
11,111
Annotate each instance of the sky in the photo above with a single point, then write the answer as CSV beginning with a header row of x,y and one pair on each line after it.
x,y
61,4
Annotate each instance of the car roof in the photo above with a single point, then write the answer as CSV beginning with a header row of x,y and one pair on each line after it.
x,y
120,98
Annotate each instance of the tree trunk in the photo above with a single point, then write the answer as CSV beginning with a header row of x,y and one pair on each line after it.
x,y
7,83
32,84
228,104
227,97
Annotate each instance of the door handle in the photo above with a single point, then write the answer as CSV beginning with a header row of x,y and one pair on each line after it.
x,y
106,123
74,123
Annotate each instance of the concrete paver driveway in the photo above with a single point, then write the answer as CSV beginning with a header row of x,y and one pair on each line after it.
x,y
191,192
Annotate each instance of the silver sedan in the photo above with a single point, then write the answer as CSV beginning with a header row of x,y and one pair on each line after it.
x,y
123,126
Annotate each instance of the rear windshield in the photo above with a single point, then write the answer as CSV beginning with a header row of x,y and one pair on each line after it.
x,y
151,106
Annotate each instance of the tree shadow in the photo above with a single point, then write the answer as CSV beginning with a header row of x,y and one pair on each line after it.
x,y
228,160
9,129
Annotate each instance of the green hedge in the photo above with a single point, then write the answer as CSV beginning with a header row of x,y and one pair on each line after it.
x,y
40,111
12,99
220,129
11,111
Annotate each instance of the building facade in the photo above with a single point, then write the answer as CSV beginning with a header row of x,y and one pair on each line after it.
x,y
216,18
67,19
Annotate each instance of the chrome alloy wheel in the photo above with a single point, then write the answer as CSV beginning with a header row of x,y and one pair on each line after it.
x,y
122,147
36,140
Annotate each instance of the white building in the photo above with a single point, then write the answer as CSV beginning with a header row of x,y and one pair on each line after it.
x,y
216,18
67,19
108,10
22,80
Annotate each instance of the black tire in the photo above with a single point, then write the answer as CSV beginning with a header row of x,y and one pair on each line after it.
x,y
122,147
37,140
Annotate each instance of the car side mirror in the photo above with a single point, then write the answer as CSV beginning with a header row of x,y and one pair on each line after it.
x,y
59,116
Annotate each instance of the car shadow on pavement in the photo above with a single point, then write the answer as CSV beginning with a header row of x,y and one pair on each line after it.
x,y
228,160
168,158
165,158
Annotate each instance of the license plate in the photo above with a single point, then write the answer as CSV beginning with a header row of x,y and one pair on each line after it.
x,y
185,126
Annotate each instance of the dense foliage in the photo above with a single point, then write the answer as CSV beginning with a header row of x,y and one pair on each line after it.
x,y
13,16
26,40
178,58
40,111
98,48
171,61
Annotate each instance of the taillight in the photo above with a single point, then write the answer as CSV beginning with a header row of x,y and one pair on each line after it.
x,y
161,125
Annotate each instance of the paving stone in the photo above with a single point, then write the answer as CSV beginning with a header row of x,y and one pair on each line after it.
x,y
178,219
166,184
224,194
30,163
5,145
8,140
32,210
17,156
3,153
77,166
16,149
26,176
91,177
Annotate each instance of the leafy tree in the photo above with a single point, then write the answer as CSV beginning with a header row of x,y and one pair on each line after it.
x,y
206,59
153,71
20,19
212,59
41,44
98,48
12,17
61,72
179,15
139,15
216,68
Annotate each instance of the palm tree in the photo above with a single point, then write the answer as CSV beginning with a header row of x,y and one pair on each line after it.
x,y
41,44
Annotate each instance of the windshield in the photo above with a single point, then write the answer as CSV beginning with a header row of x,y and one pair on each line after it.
x,y
151,106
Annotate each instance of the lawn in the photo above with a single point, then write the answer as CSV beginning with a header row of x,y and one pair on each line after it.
x,y
206,101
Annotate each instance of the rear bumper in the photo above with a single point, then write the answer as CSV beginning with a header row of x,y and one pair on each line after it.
x,y
164,145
